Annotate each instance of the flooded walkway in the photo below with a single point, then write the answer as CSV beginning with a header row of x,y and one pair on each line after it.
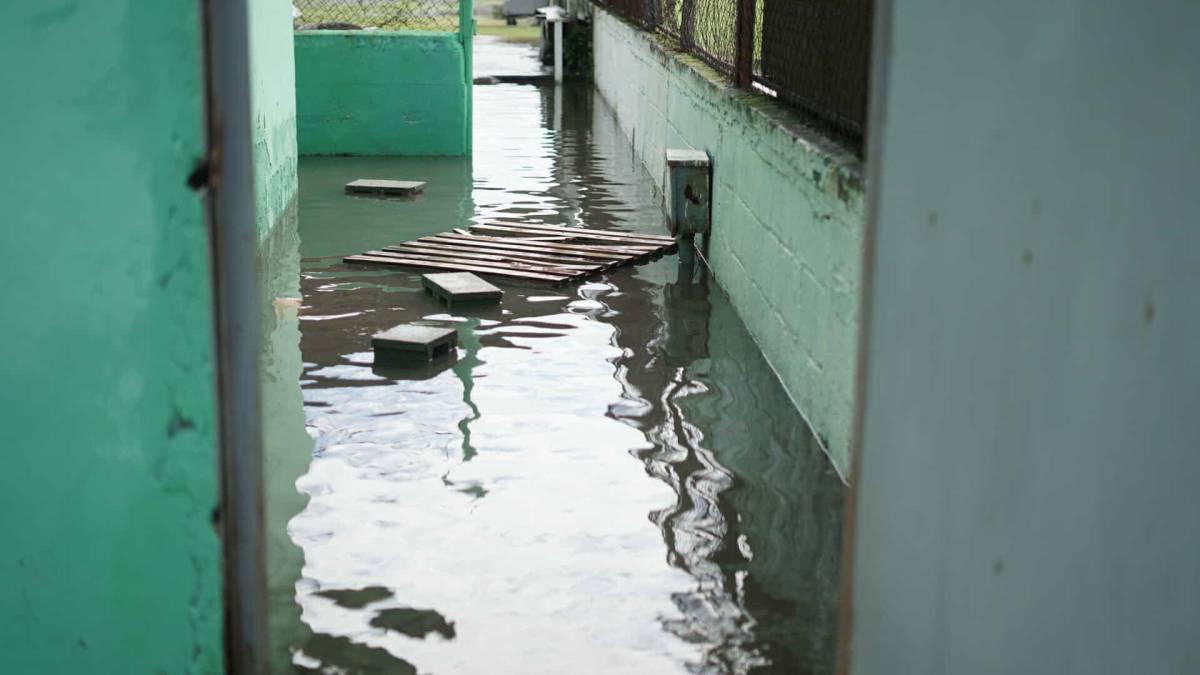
x,y
608,478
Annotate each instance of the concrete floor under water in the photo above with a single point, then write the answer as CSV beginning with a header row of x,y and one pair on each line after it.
x,y
608,478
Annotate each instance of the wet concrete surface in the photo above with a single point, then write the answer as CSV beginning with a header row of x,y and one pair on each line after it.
x,y
605,478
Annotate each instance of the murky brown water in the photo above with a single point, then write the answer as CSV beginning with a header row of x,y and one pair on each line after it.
x,y
607,478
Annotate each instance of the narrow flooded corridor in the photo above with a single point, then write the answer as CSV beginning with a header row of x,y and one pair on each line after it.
x,y
608,478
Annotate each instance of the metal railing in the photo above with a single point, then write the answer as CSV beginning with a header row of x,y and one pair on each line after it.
x,y
812,55
429,15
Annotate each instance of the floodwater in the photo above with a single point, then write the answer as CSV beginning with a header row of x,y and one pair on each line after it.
x,y
607,478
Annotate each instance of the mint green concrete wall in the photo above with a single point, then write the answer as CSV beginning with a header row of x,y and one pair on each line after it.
x,y
382,93
110,560
787,214
273,102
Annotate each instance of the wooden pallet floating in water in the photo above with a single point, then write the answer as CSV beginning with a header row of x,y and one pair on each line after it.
x,y
519,251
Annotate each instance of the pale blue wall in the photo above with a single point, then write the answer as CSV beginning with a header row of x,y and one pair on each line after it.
x,y
1030,467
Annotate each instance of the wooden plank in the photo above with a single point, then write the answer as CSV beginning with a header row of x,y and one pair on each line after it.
x,y
660,238
507,264
566,249
492,261
433,248
454,252
627,250
647,245
549,246
368,258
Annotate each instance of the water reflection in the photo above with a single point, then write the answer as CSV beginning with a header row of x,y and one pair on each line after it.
x,y
608,478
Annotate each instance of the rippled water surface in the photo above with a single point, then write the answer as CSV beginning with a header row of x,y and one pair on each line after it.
x,y
607,478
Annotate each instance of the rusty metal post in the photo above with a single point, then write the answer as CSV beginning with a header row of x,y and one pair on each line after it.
x,y
743,70
234,248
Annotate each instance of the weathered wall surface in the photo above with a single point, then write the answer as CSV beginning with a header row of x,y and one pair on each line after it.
x,y
1028,495
273,101
787,214
382,93
110,558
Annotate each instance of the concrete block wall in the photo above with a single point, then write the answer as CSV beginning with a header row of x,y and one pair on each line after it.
x,y
787,213
382,93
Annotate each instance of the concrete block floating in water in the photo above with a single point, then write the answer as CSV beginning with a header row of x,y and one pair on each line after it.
x,y
408,342
460,287
385,188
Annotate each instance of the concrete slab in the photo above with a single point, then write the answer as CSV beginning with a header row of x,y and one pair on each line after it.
x,y
407,342
392,188
460,287
681,157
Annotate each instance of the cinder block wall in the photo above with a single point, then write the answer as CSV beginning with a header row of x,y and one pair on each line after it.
x,y
787,214
382,93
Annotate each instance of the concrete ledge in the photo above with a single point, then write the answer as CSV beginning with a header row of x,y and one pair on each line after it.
x,y
788,213
381,93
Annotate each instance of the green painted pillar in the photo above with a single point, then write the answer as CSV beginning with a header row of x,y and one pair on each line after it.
x,y
110,558
466,33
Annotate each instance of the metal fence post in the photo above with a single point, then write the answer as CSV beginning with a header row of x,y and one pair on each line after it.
x,y
743,71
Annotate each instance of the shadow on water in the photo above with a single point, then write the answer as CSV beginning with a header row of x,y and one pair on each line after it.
x,y
487,513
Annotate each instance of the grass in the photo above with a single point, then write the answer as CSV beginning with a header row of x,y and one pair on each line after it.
x,y
522,32
489,20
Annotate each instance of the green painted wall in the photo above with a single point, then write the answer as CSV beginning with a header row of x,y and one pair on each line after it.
x,y
110,559
787,214
382,93
273,101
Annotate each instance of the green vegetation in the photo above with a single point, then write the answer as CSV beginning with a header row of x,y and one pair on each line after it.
x,y
526,30
489,20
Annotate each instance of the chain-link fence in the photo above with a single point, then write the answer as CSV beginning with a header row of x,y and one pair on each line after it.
x,y
430,15
811,54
